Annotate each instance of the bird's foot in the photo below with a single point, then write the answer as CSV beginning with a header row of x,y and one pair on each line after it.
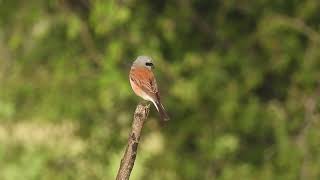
x,y
145,103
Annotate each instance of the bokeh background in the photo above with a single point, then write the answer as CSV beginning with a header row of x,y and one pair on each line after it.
x,y
240,80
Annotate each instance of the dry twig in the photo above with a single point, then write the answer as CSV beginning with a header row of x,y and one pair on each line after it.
x,y
127,161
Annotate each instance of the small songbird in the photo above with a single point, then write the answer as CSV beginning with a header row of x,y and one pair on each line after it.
x,y
144,83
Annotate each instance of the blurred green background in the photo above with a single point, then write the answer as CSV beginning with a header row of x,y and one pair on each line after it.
x,y
240,80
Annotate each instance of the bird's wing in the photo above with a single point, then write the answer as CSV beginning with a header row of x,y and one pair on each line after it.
x,y
144,78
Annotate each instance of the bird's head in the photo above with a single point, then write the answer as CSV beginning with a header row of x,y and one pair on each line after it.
x,y
143,61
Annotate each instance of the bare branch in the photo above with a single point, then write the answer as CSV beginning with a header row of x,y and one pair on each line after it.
x,y
127,161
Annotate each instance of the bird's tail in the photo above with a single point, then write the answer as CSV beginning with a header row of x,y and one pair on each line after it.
x,y
163,114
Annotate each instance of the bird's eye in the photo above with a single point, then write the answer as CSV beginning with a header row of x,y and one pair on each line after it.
x,y
149,64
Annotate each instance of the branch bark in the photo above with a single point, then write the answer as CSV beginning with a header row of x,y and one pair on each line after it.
x,y
129,157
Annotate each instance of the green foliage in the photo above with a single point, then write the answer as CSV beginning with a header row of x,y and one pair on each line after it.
x,y
240,81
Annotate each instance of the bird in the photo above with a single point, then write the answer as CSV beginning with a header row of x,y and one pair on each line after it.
x,y
143,83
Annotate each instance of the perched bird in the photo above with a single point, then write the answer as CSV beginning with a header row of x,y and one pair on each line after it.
x,y
144,84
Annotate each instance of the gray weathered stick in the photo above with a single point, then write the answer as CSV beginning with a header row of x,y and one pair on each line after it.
x,y
127,161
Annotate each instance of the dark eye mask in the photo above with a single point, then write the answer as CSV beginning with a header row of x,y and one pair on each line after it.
x,y
149,64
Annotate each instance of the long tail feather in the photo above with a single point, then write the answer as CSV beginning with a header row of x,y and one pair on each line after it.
x,y
163,114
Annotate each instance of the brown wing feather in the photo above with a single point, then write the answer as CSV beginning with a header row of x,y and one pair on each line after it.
x,y
144,78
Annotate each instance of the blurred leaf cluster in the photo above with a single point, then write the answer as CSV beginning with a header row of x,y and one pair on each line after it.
x,y
240,80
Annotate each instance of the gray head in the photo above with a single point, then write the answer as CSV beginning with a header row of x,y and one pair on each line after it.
x,y
143,61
